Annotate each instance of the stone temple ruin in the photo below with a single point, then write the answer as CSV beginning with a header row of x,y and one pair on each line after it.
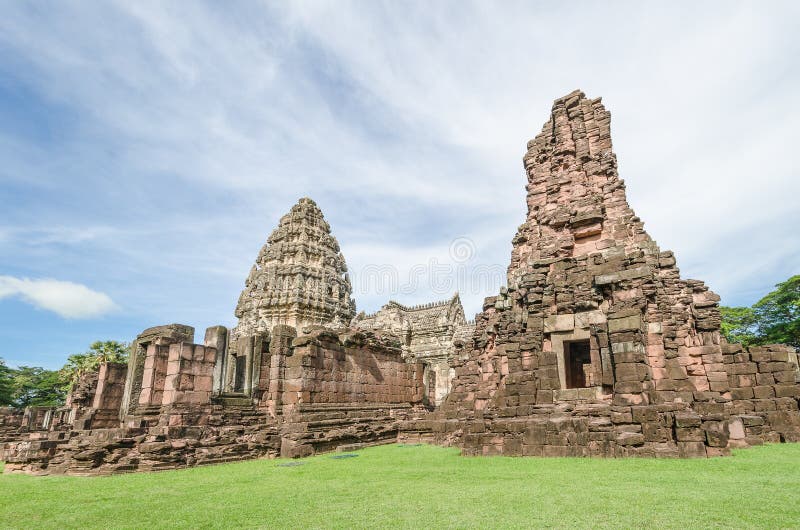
x,y
596,347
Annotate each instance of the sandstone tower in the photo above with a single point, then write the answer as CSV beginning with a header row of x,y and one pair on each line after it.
x,y
597,346
299,278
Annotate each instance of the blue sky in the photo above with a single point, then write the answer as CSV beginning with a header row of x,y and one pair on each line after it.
x,y
148,149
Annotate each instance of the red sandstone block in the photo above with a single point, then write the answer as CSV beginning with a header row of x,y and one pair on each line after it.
x,y
145,396
690,351
203,383
696,370
759,355
715,367
691,449
787,390
700,383
717,376
781,356
765,379
629,399
764,405
169,397
742,393
628,387
731,348
147,379
718,386
763,392
789,404
631,372
690,361
710,358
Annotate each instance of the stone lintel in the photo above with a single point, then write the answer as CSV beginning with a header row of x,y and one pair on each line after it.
x,y
558,323
587,318
633,322
627,274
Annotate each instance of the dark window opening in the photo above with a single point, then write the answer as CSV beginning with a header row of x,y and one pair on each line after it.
x,y
577,363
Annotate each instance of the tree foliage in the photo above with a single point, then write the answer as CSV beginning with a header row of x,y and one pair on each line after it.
x,y
6,384
33,386
100,352
738,325
37,387
775,319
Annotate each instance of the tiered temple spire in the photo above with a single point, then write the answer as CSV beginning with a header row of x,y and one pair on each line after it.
x,y
299,277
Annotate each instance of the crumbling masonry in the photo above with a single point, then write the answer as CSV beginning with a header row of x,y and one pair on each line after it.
x,y
596,347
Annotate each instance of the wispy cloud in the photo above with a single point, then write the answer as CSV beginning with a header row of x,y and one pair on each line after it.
x,y
67,299
149,148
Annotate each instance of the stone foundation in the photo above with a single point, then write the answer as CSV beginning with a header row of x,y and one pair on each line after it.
x,y
330,390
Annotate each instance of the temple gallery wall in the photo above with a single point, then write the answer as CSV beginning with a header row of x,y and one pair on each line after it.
x,y
595,347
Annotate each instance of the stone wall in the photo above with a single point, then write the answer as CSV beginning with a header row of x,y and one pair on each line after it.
x,y
327,367
764,390
428,333
158,335
10,424
225,434
94,399
345,389
324,390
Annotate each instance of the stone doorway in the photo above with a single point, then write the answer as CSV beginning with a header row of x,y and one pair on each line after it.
x,y
431,385
578,363
239,374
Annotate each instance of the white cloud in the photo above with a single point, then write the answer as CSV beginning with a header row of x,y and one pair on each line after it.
x,y
67,299
196,129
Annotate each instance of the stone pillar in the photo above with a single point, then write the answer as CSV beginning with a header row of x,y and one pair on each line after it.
x,y
419,382
217,338
109,386
155,371
107,399
133,378
280,347
259,375
248,365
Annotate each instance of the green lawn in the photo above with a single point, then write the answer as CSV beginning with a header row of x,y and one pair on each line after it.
x,y
424,487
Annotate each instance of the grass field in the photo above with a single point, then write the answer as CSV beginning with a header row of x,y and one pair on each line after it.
x,y
424,487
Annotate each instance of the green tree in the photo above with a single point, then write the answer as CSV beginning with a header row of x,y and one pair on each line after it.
x,y
739,325
773,319
100,352
6,384
778,314
37,387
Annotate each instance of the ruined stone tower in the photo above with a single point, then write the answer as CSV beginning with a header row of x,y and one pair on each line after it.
x,y
597,346
299,278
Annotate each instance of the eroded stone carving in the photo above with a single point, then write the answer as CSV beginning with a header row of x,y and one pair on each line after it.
x,y
299,278
431,333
